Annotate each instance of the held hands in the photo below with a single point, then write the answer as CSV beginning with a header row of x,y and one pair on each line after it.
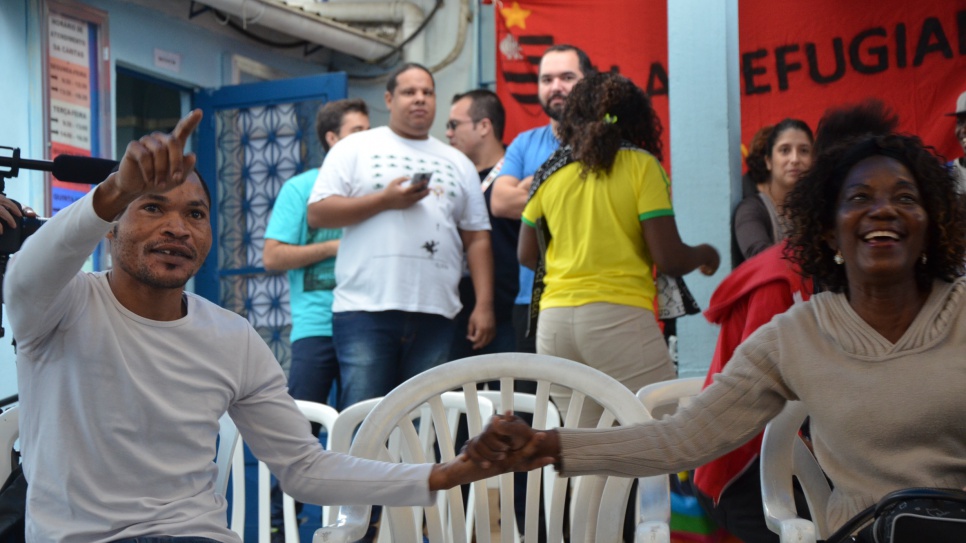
x,y
509,444
399,194
506,444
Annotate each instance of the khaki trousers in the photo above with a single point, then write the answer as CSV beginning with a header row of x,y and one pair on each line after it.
x,y
622,341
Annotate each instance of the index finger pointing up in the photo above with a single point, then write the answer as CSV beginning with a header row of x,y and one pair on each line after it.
x,y
186,126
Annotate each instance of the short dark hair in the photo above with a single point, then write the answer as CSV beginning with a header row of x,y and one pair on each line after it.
x,y
587,68
485,104
405,67
330,115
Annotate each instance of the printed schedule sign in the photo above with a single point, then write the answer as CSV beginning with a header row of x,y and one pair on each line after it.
x,y
73,85
70,86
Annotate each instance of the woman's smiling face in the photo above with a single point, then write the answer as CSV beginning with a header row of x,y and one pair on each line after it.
x,y
880,224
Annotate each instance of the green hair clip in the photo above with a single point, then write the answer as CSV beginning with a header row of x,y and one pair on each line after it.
x,y
610,119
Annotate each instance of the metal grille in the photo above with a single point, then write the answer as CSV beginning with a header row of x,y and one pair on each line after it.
x,y
258,149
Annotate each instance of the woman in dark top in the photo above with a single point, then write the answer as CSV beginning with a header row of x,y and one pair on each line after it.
x,y
758,221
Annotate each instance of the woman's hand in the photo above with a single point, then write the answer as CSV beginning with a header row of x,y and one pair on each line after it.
x,y
710,257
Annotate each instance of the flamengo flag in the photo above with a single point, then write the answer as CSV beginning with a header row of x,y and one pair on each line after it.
x,y
797,57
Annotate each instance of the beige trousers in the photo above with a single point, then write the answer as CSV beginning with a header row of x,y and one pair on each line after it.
x,y
622,341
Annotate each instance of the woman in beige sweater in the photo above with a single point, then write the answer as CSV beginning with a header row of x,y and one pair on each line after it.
x,y
879,358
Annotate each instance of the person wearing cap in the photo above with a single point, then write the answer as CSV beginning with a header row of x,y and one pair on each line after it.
x,y
959,165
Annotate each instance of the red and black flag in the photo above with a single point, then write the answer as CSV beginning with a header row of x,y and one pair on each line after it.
x,y
797,57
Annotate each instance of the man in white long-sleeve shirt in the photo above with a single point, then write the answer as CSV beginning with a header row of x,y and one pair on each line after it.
x,y
123,375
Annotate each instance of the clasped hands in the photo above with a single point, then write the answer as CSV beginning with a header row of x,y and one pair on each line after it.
x,y
506,444
509,444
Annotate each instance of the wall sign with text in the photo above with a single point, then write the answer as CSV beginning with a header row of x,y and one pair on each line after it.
x,y
77,82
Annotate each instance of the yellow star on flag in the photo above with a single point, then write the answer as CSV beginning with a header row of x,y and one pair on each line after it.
x,y
515,15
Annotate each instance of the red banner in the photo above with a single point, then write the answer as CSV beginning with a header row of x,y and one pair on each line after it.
x,y
797,57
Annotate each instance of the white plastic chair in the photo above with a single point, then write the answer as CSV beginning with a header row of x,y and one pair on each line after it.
x,y
318,413
664,397
349,420
601,503
9,432
784,454
660,399
231,457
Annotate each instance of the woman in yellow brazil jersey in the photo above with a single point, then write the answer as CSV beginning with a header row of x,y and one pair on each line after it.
x,y
600,215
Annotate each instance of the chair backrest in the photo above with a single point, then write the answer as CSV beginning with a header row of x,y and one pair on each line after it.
x,y
227,442
321,414
351,418
602,503
9,432
654,507
664,397
229,458
783,455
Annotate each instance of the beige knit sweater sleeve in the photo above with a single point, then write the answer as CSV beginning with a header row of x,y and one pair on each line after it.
x,y
735,408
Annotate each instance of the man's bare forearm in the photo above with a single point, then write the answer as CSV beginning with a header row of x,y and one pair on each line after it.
x,y
339,211
479,259
509,197
279,256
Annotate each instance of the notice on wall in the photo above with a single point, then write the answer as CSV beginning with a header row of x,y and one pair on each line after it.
x,y
72,84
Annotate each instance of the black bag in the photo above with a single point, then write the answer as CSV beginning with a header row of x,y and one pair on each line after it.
x,y
910,515
13,507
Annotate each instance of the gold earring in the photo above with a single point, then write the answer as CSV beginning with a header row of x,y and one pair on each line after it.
x,y
838,258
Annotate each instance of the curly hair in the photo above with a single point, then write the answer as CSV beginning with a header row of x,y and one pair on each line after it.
x,y
813,203
629,116
755,161
840,123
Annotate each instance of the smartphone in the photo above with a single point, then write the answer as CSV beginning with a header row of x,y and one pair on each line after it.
x,y
420,179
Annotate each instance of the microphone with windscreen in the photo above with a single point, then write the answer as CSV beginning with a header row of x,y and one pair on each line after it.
x,y
67,168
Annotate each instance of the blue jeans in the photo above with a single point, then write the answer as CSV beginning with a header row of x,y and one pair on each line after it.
x,y
379,350
165,539
314,370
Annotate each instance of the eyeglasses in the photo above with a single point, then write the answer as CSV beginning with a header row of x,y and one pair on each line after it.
x,y
453,123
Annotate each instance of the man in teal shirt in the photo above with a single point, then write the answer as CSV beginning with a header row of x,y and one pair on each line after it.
x,y
308,255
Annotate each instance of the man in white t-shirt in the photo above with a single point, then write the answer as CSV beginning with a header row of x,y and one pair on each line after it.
x,y
401,255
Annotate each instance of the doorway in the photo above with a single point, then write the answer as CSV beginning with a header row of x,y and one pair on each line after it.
x,y
146,104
